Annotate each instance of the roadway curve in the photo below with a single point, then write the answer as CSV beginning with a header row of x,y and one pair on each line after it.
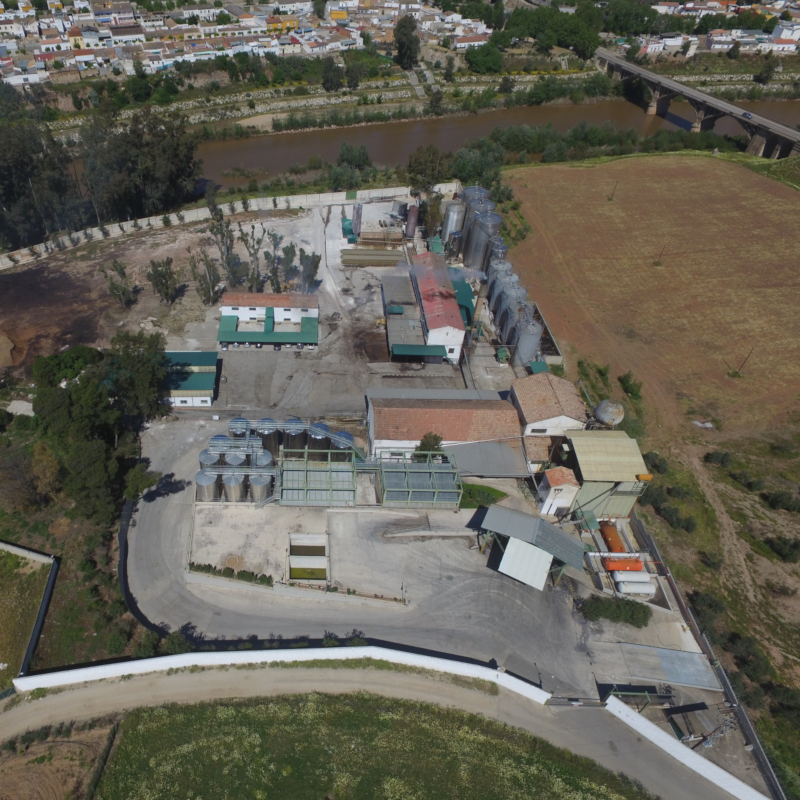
x,y
589,732
724,106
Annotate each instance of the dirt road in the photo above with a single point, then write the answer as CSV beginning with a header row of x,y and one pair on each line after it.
x,y
587,731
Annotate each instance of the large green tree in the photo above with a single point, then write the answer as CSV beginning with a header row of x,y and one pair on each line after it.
x,y
407,42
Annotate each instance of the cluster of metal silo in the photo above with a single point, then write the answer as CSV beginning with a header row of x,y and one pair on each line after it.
x,y
453,220
319,442
474,210
294,434
270,434
342,444
239,427
485,227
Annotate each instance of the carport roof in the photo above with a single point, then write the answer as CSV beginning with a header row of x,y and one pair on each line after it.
x,y
536,531
607,455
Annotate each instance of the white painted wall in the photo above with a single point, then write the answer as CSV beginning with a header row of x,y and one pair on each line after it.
x,y
555,426
189,402
250,314
450,338
551,498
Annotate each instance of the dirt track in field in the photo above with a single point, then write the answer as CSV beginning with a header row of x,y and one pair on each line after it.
x,y
728,280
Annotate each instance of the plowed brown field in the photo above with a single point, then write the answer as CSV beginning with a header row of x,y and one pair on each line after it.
x,y
729,280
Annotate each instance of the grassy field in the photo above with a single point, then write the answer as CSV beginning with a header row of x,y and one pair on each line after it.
x,y
354,746
476,495
22,583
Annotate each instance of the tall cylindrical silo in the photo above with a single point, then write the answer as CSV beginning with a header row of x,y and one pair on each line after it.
x,y
219,442
238,427
474,207
270,434
261,458
473,193
236,458
206,487
505,283
528,337
455,240
411,222
342,444
499,248
453,219
491,224
511,308
486,225
208,459
319,440
294,434
260,487
233,486
497,271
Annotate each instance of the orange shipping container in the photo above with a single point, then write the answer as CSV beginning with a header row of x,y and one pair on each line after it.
x,y
612,538
622,564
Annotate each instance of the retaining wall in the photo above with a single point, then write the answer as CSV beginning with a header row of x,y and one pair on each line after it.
x,y
29,554
116,229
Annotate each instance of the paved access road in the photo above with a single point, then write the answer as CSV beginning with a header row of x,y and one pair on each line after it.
x,y
589,732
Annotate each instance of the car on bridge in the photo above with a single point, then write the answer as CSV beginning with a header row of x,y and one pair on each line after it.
x,y
747,115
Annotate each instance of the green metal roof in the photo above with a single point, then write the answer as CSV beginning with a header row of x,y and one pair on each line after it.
x,y
421,350
192,361
538,367
347,227
308,333
190,382
435,245
463,292
394,309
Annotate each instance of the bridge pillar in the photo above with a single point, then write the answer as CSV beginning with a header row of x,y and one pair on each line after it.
x,y
659,101
758,142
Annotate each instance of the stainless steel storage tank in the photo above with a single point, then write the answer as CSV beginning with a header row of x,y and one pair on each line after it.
x,y
473,193
342,444
411,223
260,487
270,434
261,458
235,458
294,434
475,207
208,459
499,248
233,485
206,487
454,243
505,281
486,225
319,439
219,442
527,339
453,219
238,427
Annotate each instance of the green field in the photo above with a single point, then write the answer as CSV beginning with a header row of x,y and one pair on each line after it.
x,y
353,746
22,583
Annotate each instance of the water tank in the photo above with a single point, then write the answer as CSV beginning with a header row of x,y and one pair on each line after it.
x,y
474,208
206,487
294,434
208,459
453,219
497,267
622,564
260,487
647,589
486,225
411,223
474,193
342,444
261,458
319,439
609,412
270,434
630,577
236,458
612,538
219,442
239,427
499,247
454,242
512,305
233,486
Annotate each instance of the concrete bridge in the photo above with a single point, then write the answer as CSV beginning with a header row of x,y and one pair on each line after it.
x,y
767,138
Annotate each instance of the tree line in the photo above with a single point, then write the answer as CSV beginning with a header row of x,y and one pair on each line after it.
x,y
117,170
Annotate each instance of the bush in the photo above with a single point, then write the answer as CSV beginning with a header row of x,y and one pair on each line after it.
x,y
654,496
117,609
265,580
782,501
707,609
631,387
712,559
166,221
619,610
174,644
330,640
719,458
117,642
679,493
748,481
147,645
5,419
785,547
656,462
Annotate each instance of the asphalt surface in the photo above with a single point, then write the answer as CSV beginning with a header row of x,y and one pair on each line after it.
x,y
588,732
722,105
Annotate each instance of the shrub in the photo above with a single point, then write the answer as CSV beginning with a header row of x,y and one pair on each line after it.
x,y
654,496
265,580
330,640
355,638
707,609
5,419
719,458
656,462
785,547
227,572
782,501
755,697
117,609
146,647
166,221
619,610
631,387
117,642
712,559
174,644
748,481
679,493
246,575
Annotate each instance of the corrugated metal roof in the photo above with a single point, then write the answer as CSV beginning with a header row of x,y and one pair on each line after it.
x,y
436,293
190,382
607,455
432,394
420,350
498,459
526,563
189,360
535,530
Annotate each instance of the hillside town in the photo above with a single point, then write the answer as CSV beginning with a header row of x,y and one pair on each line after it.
x,y
67,43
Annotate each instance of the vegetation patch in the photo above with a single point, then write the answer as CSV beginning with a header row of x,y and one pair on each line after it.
x,y
476,496
227,572
354,746
616,610
23,583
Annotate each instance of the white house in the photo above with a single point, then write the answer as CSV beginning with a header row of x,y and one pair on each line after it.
x,y
557,490
442,323
548,405
251,307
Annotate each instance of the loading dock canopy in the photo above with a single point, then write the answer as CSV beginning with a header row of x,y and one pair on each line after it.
x,y
526,563
535,531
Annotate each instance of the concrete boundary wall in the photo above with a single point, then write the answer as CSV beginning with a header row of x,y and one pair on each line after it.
x,y
680,752
24,553
116,229
53,680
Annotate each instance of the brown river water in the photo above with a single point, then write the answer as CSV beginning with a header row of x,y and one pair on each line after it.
x,y
391,143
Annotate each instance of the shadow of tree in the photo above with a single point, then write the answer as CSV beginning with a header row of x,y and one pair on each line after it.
x,y
167,486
